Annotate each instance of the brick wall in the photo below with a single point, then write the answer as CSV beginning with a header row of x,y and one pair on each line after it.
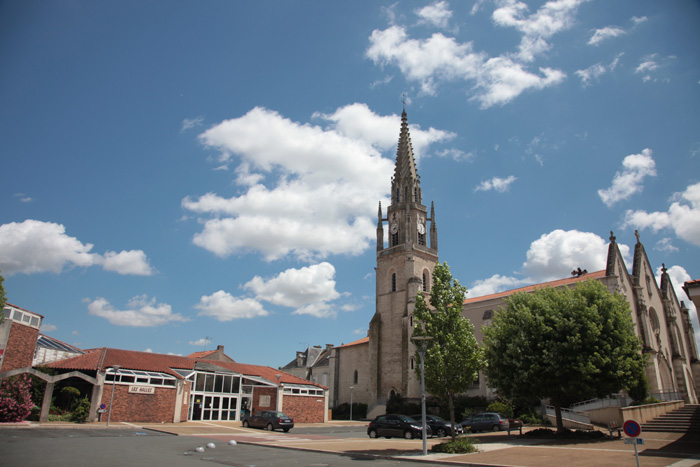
x,y
304,409
21,343
151,408
186,401
257,392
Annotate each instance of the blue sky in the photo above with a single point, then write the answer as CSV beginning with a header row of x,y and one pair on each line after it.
x,y
178,175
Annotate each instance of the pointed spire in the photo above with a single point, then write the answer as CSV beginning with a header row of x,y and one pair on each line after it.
x,y
406,181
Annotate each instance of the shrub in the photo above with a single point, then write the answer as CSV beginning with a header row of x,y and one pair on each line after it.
x,y
342,412
462,445
15,399
82,411
501,407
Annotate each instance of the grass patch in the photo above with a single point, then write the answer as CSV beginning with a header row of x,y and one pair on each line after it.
x,y
463,445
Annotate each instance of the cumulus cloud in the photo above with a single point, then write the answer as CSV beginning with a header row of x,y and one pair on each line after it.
x,y
551,257
554,255
225,307
437,14
307,289
683,216
34,247
605,33
295,175
140,311
629,181
498,184
200,342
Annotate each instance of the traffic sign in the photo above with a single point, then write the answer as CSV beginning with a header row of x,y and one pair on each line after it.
x,y
634,440
632,428
103,406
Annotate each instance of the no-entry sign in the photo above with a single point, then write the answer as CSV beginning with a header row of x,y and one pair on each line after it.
x,y
632,428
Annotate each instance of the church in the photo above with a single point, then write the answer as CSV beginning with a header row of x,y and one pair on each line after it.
x,y
372,369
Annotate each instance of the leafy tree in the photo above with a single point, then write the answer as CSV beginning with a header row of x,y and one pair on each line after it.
x,y
15,399
453,358
564,344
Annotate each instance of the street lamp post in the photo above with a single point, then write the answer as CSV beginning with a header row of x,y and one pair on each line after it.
x,y
422,343
352,389
114,383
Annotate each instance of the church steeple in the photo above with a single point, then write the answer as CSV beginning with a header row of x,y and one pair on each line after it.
x,y
406,215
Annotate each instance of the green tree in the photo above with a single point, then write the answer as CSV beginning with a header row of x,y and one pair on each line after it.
x,y
563,344
453,358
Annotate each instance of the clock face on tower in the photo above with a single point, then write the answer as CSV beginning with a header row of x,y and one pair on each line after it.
x,y
393,228
421,229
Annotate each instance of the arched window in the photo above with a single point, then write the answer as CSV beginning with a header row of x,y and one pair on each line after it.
x,y
413,363
355,378
425,282
393,282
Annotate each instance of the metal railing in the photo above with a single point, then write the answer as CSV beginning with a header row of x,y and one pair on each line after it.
x,y
667,395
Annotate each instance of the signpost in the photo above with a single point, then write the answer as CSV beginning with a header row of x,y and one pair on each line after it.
x,y
633,429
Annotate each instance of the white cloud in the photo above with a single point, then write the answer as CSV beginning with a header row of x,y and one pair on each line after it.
x,y
639,20
494,284
595,71
46,327
225,307
554,255
34,247
296,175
683,216
307,289
665,245
23,198
497,80
552,17
501,185
551,257
191,123
629,181
127,262
605,33
437,13
140,312
200,342
149,350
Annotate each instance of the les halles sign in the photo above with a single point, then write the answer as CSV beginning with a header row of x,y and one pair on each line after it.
x,y
142,390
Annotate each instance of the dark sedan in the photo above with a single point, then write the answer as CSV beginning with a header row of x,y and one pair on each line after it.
x,y
396,426
439,426
270,420
485,422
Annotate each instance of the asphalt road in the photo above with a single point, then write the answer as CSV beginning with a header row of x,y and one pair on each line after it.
x,y
39,447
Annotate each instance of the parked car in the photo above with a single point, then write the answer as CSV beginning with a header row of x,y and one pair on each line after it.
x,y
395,426
485,421
439,426
270,420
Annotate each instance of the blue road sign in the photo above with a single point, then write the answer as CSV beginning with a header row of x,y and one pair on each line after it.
x,y
632,428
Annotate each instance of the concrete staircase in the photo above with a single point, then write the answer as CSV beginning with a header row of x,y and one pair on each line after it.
x,y
683,420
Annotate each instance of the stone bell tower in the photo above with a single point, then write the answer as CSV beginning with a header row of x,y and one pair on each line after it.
x,y
404,268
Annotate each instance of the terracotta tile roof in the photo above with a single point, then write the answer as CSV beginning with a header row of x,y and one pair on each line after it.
x,y
530,288
364,340
100,359
204,353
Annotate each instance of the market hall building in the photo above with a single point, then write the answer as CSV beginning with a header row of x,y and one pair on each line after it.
x,y
146,387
